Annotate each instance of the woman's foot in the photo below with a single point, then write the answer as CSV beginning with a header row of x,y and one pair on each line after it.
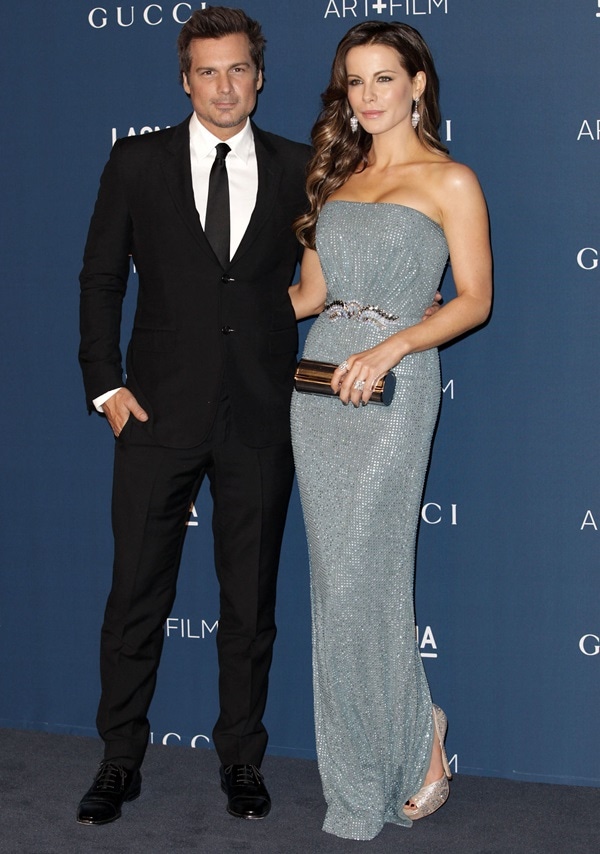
x,y
435,789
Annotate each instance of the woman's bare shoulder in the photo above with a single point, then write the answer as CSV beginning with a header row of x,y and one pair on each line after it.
x,y
452,175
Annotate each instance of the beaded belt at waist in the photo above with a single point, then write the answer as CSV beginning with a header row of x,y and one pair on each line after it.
x,y
353,310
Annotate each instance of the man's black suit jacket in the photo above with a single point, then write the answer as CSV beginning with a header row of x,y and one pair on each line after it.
x,y
193,318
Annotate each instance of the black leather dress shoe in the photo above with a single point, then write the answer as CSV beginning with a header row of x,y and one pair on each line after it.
x,y
112,785
247,796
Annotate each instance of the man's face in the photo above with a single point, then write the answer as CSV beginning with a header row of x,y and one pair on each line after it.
x,y
222,83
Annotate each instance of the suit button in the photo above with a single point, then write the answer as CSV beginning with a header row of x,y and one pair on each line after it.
x,y
227,279
226,330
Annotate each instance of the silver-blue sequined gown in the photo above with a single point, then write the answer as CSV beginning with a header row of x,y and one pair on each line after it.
x,y
361,474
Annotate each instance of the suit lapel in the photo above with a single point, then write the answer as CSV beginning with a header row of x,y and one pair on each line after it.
x,y
269,179
177,170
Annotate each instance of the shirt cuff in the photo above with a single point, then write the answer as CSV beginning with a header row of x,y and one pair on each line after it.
x,y
98,401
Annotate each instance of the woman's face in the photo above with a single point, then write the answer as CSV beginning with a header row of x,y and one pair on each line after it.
x,y
380,91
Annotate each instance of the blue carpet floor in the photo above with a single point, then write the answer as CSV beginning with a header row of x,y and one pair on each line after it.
x,y
182,809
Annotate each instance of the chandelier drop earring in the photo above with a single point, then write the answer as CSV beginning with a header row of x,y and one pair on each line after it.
x,y
353,124
416,116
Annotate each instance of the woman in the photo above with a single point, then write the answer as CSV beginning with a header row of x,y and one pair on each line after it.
x,y
387,206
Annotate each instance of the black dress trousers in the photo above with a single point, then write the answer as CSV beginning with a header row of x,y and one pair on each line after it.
x,y
153,489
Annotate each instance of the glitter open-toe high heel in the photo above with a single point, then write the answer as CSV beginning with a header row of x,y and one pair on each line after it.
x,y
430,798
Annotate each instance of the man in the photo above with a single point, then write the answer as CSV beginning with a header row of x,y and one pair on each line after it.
x,y
209,375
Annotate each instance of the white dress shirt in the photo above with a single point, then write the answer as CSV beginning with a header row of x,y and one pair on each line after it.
x,y
242,172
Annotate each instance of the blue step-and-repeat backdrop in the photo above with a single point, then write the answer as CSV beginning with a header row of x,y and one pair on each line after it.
x,y
508,578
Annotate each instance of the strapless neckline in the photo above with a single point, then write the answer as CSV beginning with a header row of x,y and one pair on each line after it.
x,y
388,205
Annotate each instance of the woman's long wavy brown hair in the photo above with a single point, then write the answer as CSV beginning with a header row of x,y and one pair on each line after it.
x,y
338,151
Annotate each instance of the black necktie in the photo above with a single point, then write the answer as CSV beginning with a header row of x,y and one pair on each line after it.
x,y
216,226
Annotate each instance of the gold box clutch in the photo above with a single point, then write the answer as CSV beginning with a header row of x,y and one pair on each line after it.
x,y
315,378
